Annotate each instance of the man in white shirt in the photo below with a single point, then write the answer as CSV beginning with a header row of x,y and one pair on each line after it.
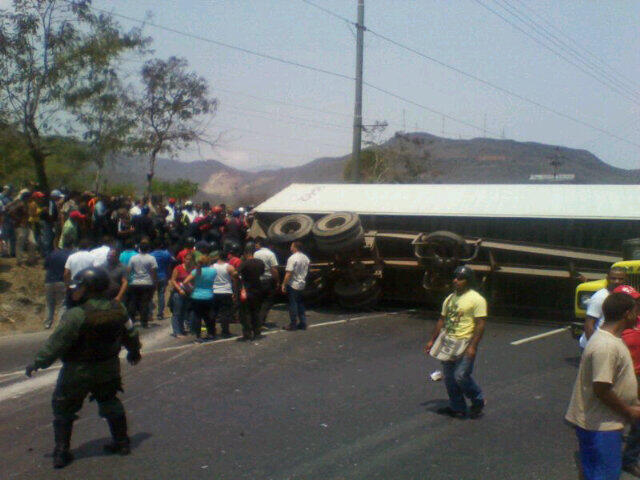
x,y
617,276
100,253
270,279
78,261
293,285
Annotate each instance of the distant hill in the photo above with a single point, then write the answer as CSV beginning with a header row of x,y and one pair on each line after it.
x,y
441,160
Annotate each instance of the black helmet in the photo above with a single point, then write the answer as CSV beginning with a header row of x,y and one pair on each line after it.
x,y
96,280
231,245
464,272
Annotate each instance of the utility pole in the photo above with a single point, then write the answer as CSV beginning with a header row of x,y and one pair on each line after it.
x,y
357,115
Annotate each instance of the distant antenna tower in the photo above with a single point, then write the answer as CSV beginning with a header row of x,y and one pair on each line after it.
x,y
484,126
443,125
556,162
404,120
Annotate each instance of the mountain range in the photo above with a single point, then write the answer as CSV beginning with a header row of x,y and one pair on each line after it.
x,y
435,159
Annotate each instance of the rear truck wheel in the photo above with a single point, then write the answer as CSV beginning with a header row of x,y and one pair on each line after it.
x,y
345,245
315,289
336,227
290,228
355,291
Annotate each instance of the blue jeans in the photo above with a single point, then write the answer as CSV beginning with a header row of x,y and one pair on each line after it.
x,y
180,313
600,454
632,446
161,288
457,379
296,306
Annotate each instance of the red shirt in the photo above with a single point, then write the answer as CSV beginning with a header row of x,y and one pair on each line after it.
x,y
182,273
631,337
235,262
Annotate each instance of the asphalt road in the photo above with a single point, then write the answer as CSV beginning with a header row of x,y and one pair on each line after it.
x,y
347,399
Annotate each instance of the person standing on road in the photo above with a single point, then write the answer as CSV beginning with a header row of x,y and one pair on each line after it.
x,y
631,338
225,288
202,298
293,285
165,260
88,341
605,394
455,341
118,278
270,279
55,290
142,272
594,318
250,272
180,300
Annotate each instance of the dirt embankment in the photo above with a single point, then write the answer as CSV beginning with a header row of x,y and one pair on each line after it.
x,y
22,297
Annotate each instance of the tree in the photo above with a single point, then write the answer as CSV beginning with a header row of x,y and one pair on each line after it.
x,y
99,101
172,110
45,48
181,189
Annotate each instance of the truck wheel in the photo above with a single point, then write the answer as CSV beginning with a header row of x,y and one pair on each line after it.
x,y
366,300
355,290
346,245
336,226
443,247
290,228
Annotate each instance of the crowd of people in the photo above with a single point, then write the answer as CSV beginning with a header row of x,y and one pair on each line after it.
x,y
194,258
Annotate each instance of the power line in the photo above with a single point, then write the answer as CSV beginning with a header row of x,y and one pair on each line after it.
x,y
225,45
599,60
294,119
539,42
271,135
484,82
544,33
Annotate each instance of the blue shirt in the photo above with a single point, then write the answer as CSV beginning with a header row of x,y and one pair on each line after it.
x,y
203,283
164,259
125,257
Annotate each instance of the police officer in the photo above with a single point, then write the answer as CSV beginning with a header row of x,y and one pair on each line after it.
x,y
88,341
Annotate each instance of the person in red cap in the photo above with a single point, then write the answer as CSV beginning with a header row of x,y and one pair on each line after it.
x,y
70,229
631,338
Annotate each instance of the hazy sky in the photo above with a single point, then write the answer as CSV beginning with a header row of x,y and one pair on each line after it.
x,y
258,131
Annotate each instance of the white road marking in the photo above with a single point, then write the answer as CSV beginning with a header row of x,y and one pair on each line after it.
x,y
49,377
542,335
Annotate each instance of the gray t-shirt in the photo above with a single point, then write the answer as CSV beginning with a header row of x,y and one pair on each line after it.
x,y
298,265
141,266
116,274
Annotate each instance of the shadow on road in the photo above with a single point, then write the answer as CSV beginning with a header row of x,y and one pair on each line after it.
x,y
94,448
435,404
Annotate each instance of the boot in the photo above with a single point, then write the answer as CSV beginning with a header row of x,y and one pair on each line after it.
x,y
120,443
62,429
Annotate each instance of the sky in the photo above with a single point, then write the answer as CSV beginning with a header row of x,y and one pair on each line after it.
x,y
274,114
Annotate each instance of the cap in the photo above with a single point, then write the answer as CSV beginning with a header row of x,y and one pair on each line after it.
x,y
56,194
24,192
172,200
188,203
628,290
37,195
76,215
217,209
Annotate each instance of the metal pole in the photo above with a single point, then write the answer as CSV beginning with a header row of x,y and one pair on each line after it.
x,y
357,116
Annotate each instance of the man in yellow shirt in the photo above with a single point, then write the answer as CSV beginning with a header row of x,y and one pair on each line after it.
x,y
461,325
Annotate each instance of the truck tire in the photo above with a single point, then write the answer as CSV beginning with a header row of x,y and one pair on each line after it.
x,y
336,226
290,228
355,290
315,289
345,245
443,248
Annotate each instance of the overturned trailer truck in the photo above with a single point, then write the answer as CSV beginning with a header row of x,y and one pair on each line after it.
x,y
530,245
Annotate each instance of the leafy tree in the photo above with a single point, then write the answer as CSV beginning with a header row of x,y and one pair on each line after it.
x,y
46,46
99,101
180,189
402,159
172,110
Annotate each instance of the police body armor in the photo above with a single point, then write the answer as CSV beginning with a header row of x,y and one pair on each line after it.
x,y
100,335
